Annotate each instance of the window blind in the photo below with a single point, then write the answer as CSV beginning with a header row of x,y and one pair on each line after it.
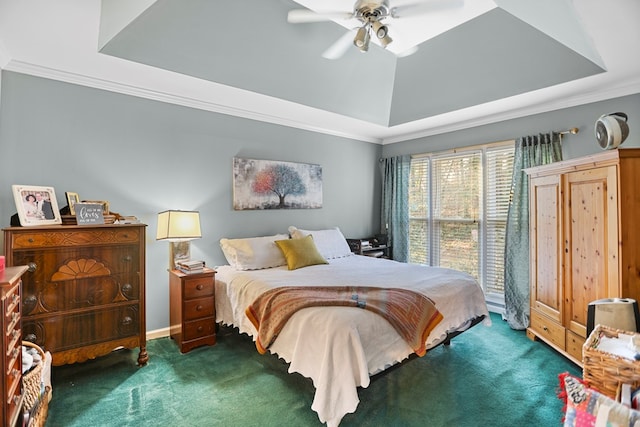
x,y
458,206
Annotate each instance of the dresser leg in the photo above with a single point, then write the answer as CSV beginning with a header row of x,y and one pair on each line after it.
x,y
143,356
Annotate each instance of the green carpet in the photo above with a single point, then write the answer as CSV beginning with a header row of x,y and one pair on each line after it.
x,y
488,377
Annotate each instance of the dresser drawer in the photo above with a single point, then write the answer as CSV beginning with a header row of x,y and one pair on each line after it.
x,y
547,329
198,308
12,311
97,289
198,288
74,237
63,331
199,328
574,345
14,371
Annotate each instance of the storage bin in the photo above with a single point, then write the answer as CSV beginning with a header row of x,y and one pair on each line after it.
x,y
36,396
606,372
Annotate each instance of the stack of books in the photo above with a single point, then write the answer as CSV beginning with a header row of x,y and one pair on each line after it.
x,y
190,267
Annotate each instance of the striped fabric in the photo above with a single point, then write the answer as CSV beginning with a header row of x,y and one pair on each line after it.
x,y
412,314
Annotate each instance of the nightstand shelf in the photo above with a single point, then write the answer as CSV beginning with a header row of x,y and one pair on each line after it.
x,y
370,247
192,309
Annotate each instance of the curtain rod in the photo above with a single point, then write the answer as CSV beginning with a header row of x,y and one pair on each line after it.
x,y
572,131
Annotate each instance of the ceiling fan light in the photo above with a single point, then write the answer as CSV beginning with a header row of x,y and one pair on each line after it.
x,y
362,38
380,29
384,41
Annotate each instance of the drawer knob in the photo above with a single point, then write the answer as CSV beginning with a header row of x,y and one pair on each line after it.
x,y
199,308
16,399
200,329
127,288
31,338
127,320
199,287
15,373
127,258
544,328
32,267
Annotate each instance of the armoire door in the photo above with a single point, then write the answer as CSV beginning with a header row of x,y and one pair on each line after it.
x,y
546,247
591,242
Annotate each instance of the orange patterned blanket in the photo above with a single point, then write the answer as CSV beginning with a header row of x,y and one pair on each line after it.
x,y
412,314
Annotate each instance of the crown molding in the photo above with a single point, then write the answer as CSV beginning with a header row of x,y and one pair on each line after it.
x,y
629,87
172,98
456,123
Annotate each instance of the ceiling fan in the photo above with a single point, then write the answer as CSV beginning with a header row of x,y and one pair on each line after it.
x,y
370,14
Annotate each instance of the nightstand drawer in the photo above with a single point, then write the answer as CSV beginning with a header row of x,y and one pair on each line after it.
x,y
199,328
198,288
198,308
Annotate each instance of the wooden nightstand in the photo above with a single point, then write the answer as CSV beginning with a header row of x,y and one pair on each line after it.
x,y
192,309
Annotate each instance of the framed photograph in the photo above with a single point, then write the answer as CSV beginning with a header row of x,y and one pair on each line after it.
x,y
36,205
104,203
72,199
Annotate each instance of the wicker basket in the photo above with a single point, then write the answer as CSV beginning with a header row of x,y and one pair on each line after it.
x,y
32,380
604,371
38,414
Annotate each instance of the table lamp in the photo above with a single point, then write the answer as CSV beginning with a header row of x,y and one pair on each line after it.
x,y
178,227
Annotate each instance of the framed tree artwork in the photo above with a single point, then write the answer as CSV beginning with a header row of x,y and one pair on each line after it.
x,y
268,184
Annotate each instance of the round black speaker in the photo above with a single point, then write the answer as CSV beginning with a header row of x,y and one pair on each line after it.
x,y
611,130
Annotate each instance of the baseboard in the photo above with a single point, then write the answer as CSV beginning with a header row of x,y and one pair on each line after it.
x,y
158,333
496,308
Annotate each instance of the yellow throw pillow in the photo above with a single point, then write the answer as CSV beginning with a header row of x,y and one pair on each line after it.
x,y
300,252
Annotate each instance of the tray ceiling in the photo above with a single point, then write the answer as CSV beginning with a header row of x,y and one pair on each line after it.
x,y
479,63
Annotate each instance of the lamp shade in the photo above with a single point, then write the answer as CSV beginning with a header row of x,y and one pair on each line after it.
x,y
178,225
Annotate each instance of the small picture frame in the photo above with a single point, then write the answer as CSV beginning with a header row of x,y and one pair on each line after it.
x,y
72,199
104,203
36,205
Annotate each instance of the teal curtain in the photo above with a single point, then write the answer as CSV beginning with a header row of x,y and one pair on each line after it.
x,y
395,204
529,151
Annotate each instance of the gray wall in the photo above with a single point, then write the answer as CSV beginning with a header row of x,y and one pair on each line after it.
x,y
583,117
145,157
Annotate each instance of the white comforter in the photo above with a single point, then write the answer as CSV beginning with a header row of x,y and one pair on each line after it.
x,y
340,347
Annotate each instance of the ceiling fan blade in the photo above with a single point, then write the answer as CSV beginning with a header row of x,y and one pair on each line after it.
x,y
423,7
301,16
340,47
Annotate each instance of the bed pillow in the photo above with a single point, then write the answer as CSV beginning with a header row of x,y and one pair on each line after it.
x,y
330,242
584,405
253,253
300,252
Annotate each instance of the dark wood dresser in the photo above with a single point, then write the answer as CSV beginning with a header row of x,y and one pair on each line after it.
x,y
11,344
83,293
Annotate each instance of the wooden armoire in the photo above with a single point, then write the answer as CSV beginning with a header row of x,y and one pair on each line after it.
x,y
584,242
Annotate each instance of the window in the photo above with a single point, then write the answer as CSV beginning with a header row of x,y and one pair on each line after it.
x,y
458,212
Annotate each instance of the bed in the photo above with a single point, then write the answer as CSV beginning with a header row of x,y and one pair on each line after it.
x,y
338,347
